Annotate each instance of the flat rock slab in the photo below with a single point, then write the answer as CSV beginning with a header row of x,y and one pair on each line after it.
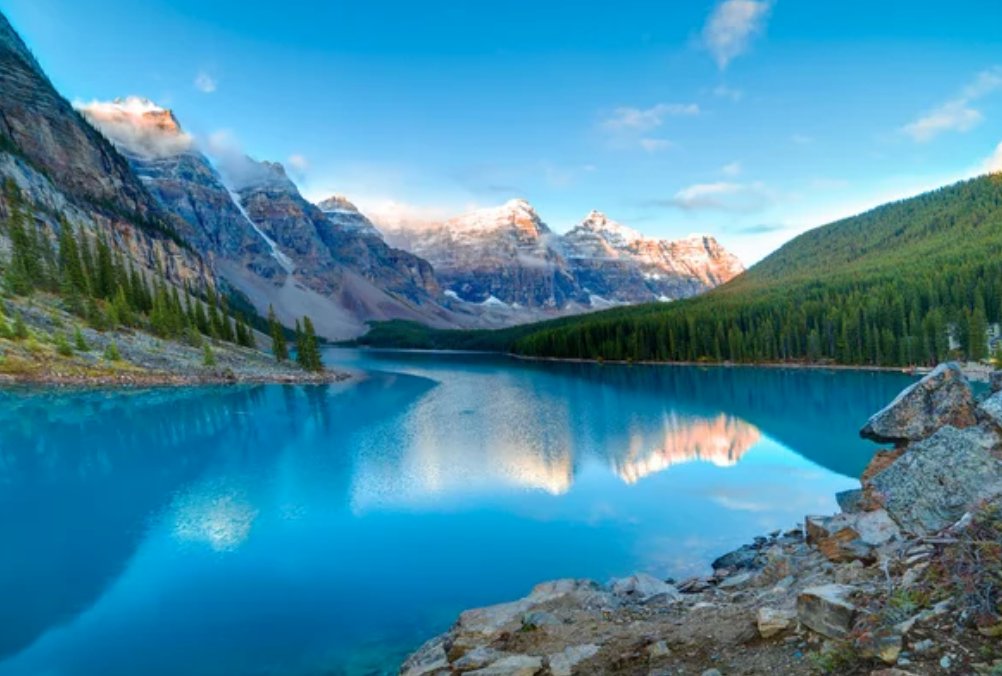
x,y
642,586
827,609
943,397
937,480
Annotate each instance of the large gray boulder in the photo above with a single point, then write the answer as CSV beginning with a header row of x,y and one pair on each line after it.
x,y
827,609
943,397
938,479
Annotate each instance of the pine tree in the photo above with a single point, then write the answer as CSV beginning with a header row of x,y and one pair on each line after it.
x,y
111,352
208,358
78,341
307,349
278,346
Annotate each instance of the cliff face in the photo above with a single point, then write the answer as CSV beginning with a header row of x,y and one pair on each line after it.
x,y
183,182
618,263
63,164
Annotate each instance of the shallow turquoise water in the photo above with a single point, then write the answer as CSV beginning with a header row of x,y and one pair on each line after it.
x,y
307,530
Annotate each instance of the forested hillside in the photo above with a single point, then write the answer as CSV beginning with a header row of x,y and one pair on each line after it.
x,y
887,287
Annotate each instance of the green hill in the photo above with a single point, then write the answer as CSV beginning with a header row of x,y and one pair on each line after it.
x,y
887,287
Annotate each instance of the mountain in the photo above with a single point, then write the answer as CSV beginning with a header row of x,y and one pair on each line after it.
x,y
340,211
619,264
493,257
184,182
508,257
70,171
263,238
913,282
917,281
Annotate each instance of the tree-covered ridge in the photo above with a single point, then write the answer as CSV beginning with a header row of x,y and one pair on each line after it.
x,y
98,284
888,287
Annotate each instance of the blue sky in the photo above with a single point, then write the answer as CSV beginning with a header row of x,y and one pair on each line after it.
x,y
749,120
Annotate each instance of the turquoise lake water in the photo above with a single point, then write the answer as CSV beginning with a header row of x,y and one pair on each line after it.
x,y
330,530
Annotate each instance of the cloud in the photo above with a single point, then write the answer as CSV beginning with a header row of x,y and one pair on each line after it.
x,y
730,28
994,162
957,114
758,228
725,92
391,214
137,126
205,83
237,168
654,145
646,119
722,196
802,139
732,169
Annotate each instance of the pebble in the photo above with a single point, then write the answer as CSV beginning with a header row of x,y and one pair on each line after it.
x,y
945,662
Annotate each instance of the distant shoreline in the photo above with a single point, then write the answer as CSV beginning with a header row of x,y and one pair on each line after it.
x,y
164,379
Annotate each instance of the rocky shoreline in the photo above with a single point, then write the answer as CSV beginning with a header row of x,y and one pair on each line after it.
x,y
907,579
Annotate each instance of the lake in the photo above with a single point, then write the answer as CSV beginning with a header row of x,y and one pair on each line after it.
x,y
332,529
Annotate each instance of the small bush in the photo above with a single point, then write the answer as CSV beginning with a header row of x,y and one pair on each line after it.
x,y
78,341
208,358
20,328
111,352
63,345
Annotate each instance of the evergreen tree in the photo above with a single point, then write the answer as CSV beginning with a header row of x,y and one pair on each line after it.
x,y
278,346
208,358
79,342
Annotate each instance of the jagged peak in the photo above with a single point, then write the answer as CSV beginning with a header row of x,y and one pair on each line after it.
x,y
337,203
138,126
246,173
611,230
515,213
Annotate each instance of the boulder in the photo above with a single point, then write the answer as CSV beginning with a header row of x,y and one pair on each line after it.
x,y
850,501
642,586
743,557
990,410
827,610
943,397
939,479
563,663
513,665
491,619
429,659
850,537
771,621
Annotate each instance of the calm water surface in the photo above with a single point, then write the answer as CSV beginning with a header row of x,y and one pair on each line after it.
x,y
309,530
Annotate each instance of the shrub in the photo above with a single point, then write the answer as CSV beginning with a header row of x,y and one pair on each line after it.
x,y
111,352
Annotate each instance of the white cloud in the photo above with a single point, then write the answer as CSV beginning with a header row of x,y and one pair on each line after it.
x,y
654,145
957,114
802,139
392,214
731,169
723,196
994,162
298,162
205,83
646,119
730,28
725,92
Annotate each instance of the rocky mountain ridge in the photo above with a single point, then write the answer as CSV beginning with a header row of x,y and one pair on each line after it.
x,y
507,256
262,237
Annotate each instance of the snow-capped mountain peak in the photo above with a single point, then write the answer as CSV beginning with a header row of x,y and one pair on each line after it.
x,y
138,126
